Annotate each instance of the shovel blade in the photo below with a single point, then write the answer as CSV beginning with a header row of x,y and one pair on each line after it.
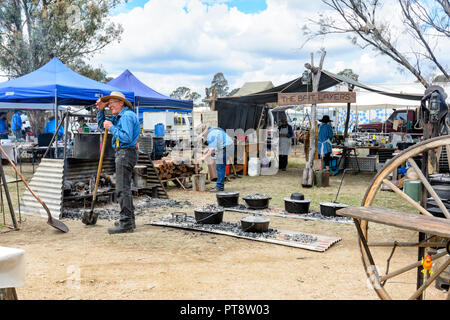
x,y
58,225
89,217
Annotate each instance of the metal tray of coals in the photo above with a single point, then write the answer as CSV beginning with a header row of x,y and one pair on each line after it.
x,y
299,240
209,214
278,212
257,200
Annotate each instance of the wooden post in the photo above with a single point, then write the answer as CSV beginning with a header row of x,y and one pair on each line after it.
x,y
212,104
347,118
308,173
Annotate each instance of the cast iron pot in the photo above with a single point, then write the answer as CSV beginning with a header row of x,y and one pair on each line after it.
x,y
404,145
442,190
297,196
257,201
227,199
329,209
255,224
214,216
296,206
439,179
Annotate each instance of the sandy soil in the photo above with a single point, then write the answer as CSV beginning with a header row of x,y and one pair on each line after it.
x,y
166,263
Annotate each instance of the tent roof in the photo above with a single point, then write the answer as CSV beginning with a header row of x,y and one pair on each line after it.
x,y
327,80
146,96
55,79
253,87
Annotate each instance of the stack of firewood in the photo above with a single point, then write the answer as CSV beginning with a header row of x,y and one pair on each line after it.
x,y
168,169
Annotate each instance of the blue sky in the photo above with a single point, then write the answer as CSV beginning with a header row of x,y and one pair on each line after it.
x,y
173,43
245,6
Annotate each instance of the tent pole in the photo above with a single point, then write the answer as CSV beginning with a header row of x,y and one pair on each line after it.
x,y
56,122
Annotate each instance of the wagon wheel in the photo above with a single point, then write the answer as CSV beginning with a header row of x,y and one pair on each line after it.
x,y
384,285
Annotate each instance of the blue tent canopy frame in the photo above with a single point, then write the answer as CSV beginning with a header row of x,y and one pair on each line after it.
x,y
55,83
148,100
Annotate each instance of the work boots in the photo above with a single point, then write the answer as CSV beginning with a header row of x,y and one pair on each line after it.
x,y
122,227
117,223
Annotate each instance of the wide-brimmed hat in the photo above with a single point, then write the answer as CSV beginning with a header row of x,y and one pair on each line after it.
x,y
326,119
117,95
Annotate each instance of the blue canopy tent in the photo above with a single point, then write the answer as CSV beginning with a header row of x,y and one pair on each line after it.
x,y
55,83
146,99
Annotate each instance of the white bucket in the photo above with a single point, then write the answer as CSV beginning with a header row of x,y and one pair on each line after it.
x,y
254,167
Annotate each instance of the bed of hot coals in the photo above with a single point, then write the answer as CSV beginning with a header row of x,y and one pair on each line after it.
x,y
111,211
311,215
236,229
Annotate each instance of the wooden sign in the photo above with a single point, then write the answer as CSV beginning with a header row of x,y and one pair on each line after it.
x,y
297,98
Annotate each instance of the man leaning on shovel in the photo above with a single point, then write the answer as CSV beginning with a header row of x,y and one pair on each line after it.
x,y
125,128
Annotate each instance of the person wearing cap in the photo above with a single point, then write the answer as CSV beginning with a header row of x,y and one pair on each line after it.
x,y
124,126
285,134
84,128
220,146
324,143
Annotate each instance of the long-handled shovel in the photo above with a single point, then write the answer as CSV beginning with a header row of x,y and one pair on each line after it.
x,y
53,222
90,217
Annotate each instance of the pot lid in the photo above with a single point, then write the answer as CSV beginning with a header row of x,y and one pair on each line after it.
x,y
227,194
333,204
297,201
255,219
209,208
256,196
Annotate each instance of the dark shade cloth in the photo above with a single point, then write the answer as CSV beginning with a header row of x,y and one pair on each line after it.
x,y
245,111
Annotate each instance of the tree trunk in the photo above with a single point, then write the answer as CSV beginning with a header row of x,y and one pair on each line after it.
x,y
37,120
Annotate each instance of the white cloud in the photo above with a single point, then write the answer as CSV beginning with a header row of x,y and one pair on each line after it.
x,y
185,42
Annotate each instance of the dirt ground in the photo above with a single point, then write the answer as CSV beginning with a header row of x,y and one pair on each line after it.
x,y
166,263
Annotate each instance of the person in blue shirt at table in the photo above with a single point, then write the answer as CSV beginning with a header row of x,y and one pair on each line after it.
x,y
221,147
125,128
50,127
3,127
324,143
16,124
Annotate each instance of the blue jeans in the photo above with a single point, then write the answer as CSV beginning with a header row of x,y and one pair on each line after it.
x,y
18,134
221,164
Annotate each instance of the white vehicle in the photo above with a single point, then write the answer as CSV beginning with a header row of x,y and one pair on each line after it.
x,y
177,126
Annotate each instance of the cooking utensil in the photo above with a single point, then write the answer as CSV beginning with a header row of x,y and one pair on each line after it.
x,y
255,224
90,217
53,222
212,216
296,206
227,199
257,201
329,208
297,196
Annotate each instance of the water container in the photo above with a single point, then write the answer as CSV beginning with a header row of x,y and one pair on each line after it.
x,y
254,167
159,130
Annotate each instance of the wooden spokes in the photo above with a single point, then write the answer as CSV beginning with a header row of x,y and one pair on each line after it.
x,y
375,248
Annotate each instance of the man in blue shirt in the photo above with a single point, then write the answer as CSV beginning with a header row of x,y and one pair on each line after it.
x,y
324,143
3,127
220,146
16,124
50,127
124,126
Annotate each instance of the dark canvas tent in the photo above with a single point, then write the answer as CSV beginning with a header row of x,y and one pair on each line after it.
x,y
146,99
55,83
244,112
